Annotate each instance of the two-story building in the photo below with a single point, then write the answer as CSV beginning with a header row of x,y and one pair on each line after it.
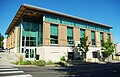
x,y
51,35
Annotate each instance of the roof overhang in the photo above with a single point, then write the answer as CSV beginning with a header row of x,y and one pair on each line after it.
x,y
26,7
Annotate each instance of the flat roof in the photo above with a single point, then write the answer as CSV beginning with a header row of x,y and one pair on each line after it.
x,y
25,7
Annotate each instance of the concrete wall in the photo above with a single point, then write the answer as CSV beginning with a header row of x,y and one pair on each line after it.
x,y
52,53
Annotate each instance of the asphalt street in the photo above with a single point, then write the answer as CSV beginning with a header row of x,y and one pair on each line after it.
x,y
90,70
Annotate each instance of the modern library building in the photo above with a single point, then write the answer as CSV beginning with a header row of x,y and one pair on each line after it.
x,y
44,34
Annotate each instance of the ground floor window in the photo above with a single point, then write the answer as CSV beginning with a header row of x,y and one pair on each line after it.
x,y
70,55
94,54
84,54
104,54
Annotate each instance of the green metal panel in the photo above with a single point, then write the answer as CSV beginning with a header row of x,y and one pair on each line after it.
x,y
70,22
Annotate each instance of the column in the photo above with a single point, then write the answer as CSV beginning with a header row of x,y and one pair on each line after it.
x,y
76,34
105,37
62,35
46,33
111,38
97,38
88,33
16,37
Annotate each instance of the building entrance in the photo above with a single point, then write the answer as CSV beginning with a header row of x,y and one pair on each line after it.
x,y
30,53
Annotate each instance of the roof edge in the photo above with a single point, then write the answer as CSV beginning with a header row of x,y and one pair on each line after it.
x,y
68,15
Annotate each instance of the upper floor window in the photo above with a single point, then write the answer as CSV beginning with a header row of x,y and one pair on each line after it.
x,y
69,35
108,37
101,39
82,33
93,38
53,34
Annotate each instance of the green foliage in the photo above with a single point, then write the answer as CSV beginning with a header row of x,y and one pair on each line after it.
x,y
1,40
50,63
40,63
63,58
33,62
83,46
108,47
16,63
27,62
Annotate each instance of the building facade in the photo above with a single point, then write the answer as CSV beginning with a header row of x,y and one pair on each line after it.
x,y
48,35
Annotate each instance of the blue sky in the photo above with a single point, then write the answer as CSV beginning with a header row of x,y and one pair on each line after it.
x,y
102,11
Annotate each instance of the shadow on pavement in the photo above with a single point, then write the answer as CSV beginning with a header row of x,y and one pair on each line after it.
x,y
89,69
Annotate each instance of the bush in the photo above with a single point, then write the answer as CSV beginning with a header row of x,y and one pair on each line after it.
x,y
63,58
27,62
50,63
16,63
33,62
40,63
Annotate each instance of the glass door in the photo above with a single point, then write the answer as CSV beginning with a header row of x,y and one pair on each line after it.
x,y
30,53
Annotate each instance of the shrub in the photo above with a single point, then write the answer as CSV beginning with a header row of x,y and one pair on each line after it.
x,y
63,58
50,63
33,62
16,63
27,62
40,63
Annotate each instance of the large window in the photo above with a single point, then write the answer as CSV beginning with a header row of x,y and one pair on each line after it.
x,y
101,39
28,41
93,38
30,31
82,33
70,36
53,34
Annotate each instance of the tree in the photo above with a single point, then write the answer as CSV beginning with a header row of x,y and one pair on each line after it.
x,y
1,40
108,48
83,46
